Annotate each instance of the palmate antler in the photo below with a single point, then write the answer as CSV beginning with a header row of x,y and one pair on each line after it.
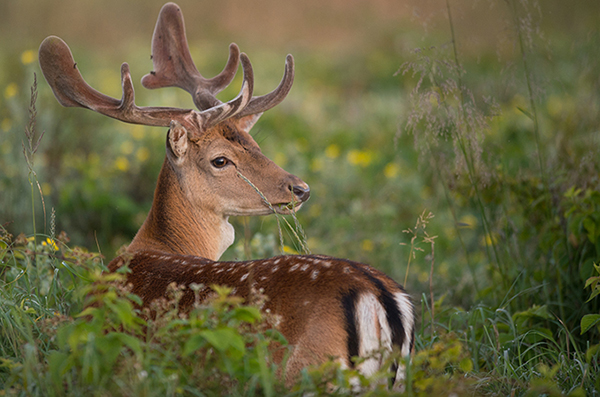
x,y
174,67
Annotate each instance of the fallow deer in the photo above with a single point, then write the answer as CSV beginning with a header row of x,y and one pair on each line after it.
x,y
327,307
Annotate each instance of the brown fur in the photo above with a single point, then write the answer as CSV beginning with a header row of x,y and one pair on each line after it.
x,y
304,291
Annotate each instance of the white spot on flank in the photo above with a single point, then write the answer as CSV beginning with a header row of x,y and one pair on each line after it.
x,y
346,270
304,267
294,267
220,270
273,270
245,276
276,261
200,271
314,274
327,264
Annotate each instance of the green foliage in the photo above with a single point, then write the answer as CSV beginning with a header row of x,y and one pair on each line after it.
x,y
51,346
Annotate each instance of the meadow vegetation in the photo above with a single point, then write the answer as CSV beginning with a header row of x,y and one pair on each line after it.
x,y
465,164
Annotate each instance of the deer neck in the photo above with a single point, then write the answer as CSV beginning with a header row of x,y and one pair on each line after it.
x,y
175,225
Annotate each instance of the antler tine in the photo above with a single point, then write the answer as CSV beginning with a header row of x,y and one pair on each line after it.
x,y
265,102
71,90
237,105
173,64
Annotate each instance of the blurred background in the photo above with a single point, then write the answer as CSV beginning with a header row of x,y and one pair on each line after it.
x,y
487,119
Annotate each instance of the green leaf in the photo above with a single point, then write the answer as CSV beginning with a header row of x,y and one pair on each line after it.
x,y
589,225
124,311
192,344
592,280
572,192
577,392
591,353
223,339
588,321
128,340
525,112
466,365
595,292
88,311
247,314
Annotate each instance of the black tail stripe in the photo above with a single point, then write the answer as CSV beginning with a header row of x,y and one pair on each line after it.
x,y
349,305
386,298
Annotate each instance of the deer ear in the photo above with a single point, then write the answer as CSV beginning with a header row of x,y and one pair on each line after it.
x,y
178,139
247,122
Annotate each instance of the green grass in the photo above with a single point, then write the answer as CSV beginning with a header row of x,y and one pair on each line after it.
x,y
500,142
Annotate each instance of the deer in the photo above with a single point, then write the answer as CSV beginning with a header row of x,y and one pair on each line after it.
x,y
327,308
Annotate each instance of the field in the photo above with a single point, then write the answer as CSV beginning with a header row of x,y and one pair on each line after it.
x,y
453,145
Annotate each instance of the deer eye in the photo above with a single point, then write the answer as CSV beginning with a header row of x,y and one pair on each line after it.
x,y
219,162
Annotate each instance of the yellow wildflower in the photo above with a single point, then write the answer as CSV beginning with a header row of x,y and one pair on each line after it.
x,y
28,57
332,151
360,157
289,250
11,90
6,124
316,165
122,164
50,243
391,170
280,159
489,239
137,131
467,222
142,154
127,147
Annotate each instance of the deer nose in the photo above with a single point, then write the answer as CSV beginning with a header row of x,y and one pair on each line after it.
x,y
302,192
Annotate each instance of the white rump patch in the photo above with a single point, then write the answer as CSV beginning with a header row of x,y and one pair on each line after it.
x,y
406,311
374,332
405,308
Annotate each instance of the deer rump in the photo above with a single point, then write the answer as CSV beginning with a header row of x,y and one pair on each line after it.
x,y
326,307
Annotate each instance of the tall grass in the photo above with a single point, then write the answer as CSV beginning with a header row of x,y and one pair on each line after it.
x,y
525,332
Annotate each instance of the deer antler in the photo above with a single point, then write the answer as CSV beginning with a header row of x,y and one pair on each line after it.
x,y
174,67
71,90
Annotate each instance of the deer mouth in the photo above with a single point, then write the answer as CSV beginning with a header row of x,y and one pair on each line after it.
x,y
287,208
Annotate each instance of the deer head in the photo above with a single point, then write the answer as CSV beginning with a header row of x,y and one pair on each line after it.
x,y
213,167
